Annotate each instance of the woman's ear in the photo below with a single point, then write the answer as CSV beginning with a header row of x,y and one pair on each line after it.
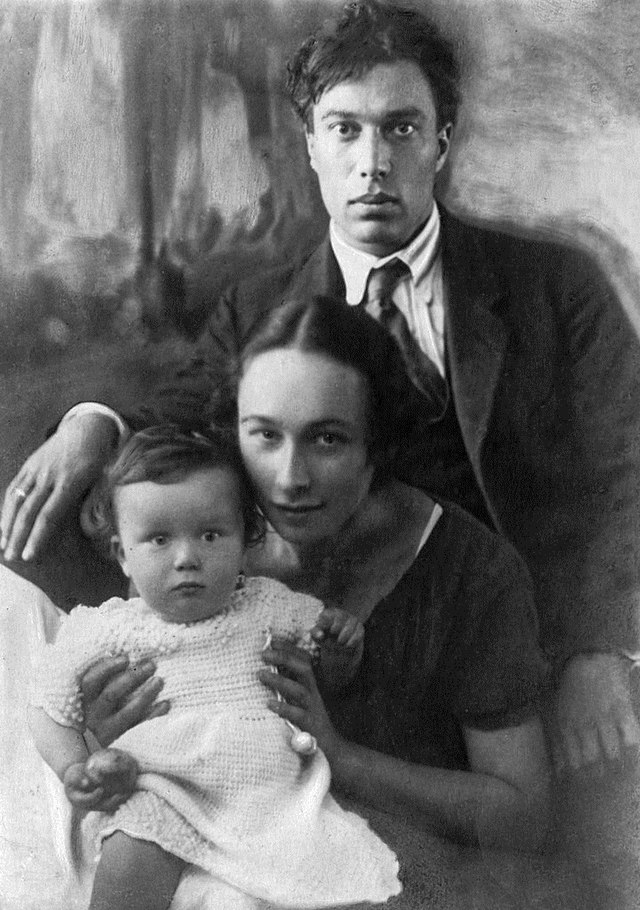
x,y
117,551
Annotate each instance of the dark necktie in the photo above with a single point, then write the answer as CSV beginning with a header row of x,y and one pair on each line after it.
x,y
379,303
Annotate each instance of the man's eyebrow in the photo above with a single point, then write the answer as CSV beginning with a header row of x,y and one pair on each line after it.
x,y
256,417
411,112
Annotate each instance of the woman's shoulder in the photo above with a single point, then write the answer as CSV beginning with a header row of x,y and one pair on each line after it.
x,y
468,541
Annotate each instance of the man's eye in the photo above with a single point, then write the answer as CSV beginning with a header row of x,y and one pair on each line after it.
x,y
343,129
404,129
210,536
158,540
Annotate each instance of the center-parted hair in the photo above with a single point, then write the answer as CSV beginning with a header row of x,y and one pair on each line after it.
x,y
168,454
368,33
349,335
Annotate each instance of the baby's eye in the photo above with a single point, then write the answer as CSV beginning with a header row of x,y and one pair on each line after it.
x,y
210,536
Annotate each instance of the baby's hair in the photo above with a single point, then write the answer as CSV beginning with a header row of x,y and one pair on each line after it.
x,y
167,454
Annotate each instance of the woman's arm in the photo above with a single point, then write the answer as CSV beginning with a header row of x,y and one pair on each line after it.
x,y
503,801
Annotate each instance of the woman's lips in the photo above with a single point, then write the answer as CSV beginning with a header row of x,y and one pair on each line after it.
x,y
297,508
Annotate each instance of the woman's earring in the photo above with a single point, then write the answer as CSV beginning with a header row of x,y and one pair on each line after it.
x,y
240,581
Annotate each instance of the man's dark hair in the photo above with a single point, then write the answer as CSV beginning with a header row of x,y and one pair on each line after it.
x,y
368,33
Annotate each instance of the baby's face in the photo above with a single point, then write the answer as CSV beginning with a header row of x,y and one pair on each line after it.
x,y
182,543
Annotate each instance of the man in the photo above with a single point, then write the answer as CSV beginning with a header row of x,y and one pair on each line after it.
x,y
534,414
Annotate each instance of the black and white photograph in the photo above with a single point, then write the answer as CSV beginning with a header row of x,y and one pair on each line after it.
x,y
320,359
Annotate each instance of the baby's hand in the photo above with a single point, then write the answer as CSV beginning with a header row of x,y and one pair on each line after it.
x,y
341,639
339,629
103,782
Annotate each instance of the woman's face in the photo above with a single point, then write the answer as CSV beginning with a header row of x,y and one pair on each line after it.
x,y
303,433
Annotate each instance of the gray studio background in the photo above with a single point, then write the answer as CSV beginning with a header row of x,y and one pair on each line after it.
x,y
138,136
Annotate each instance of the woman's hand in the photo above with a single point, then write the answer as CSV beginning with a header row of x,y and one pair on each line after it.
x,y
52,480
102,783
296,683
117,696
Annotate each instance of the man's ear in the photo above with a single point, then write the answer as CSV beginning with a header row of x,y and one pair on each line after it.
x,y
117,551
444,144
310,137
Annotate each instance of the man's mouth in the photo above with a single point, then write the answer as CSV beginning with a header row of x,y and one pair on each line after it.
x,y
375,199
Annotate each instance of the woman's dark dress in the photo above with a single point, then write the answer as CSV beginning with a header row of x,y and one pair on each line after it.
x,y
455,644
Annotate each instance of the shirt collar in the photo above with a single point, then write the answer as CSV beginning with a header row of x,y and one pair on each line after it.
x,y
355,265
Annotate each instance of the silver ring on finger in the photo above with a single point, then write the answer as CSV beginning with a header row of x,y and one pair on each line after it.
x,y
20,494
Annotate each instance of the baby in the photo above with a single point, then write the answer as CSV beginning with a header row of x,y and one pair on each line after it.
x,y
217,783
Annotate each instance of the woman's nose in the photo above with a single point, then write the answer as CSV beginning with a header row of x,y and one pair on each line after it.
x,y
293,474
374,155
186,555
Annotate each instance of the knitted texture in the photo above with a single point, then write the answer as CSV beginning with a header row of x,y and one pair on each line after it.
x,y
220,786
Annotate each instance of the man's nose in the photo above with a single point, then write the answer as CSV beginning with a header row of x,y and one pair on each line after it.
x,y
186,555
293,474
374,155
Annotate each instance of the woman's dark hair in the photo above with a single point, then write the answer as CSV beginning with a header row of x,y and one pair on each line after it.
x,y
323,325
167,454
368,33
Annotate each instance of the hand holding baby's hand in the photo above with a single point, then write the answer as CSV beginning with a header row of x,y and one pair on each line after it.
x,y
103,782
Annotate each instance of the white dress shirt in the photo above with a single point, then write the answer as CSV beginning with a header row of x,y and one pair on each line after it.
x,y
419,296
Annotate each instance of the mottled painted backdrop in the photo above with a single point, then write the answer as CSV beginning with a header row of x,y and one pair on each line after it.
x,y
137,136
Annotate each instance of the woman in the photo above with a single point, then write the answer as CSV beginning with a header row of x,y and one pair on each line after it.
x,y
442,723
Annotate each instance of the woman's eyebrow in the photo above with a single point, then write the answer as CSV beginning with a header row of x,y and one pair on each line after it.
x,y
329,422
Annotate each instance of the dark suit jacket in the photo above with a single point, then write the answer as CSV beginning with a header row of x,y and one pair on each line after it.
x,y
545,372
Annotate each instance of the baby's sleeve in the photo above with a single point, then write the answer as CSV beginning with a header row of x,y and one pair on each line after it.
x,y
294,615
79,643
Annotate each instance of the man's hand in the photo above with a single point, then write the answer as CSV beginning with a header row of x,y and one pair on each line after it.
x,y
52,480
102,783
595,721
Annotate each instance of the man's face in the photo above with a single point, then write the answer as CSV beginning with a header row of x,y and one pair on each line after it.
x,y
376,150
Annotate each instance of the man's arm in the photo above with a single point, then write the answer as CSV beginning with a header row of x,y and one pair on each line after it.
x,y
595,718
52,481
61,471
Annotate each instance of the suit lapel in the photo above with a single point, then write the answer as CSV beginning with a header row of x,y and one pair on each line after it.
x,y
476,335
319,275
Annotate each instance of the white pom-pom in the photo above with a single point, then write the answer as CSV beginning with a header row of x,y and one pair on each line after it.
x,y
303,743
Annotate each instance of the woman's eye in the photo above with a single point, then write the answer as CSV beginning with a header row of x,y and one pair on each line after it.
x,y
210,536
330,439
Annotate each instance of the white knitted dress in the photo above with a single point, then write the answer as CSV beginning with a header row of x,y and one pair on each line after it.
x,y
220,785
